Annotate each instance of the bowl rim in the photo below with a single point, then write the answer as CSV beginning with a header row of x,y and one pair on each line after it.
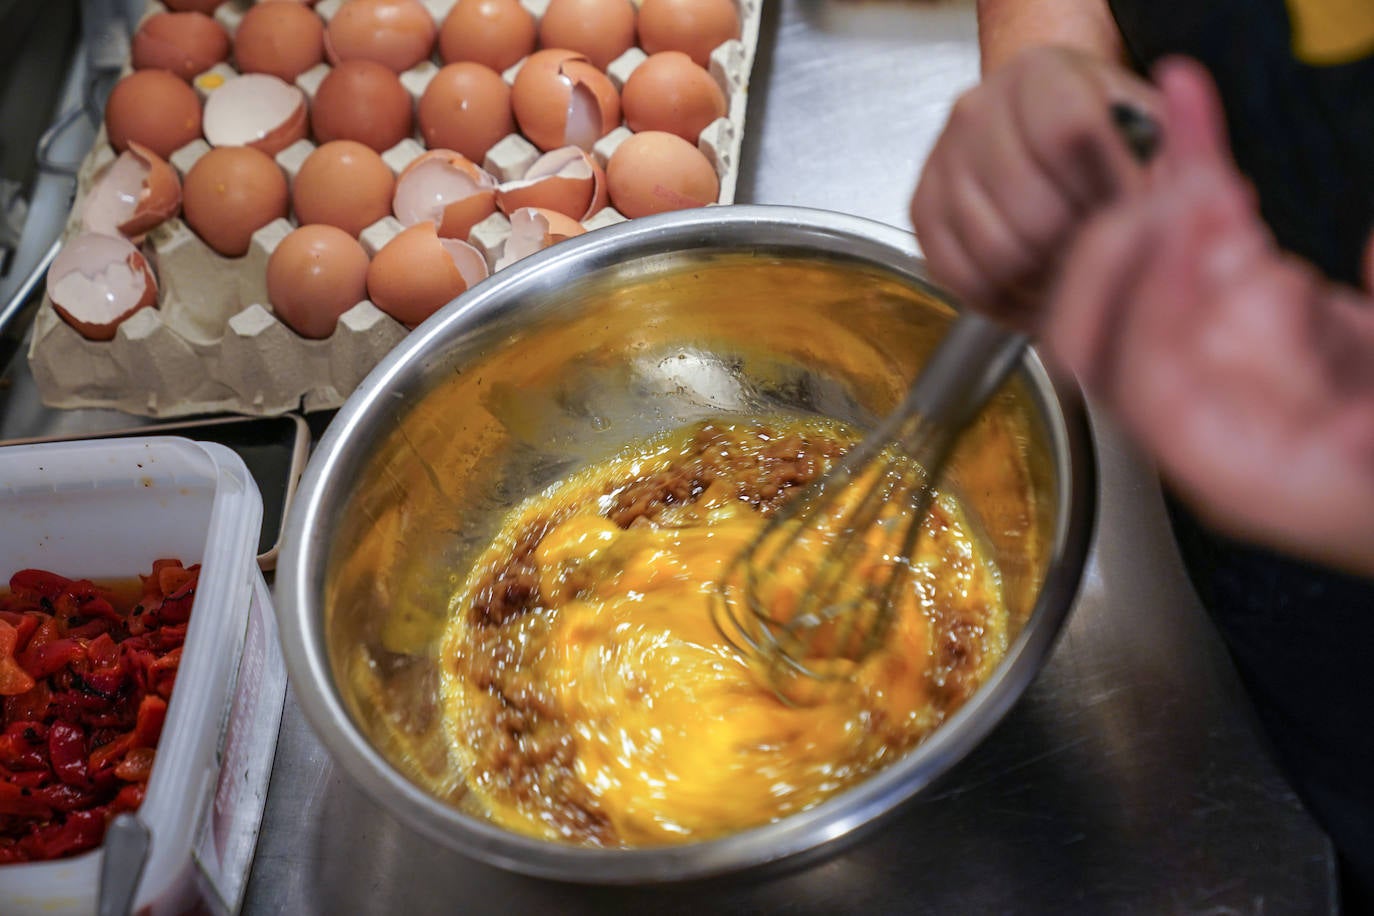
x,y
800,837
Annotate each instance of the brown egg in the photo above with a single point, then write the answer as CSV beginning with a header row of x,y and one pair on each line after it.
x,y
283,39
230,193
364,101
315,275
601,29
343,184
137,192
397,34
495,33
97,282
195,6
447,189
654,172
560,99
695,27
668,91
183,43
155,108
466,107
417,273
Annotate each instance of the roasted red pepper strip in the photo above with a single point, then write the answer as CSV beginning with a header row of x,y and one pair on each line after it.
x,y
14,680
67,750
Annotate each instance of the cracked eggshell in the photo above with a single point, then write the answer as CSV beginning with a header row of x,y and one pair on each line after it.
x,y
397,34
417,273
257,110
566,180
447,189
97,281
137,192
495,33
560,99
155,108
533,229
184,43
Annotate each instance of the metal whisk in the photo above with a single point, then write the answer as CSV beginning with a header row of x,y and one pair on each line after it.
x,y
792,600
815,593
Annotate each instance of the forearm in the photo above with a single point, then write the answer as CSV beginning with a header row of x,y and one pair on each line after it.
x,y
1006,27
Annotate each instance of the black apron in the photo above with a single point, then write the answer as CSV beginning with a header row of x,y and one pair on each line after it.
x,y
1301,637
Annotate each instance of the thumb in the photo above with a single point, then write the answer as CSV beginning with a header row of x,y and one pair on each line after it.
x,y
1194,121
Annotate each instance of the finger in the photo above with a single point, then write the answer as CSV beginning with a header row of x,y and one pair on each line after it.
x,y
1064,118
1002,256
1094,290
1194,120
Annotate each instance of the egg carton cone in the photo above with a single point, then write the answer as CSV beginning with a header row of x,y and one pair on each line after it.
x,y
214,344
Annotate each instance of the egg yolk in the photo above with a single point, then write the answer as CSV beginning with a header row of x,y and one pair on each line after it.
x,y
591,697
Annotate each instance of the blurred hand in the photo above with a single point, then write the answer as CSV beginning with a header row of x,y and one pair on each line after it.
x,y
1026,156
1246,374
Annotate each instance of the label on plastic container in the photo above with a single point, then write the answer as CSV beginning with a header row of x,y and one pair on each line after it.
x,y
229,834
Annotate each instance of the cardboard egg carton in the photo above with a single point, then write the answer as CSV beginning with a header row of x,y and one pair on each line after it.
x,y
214,345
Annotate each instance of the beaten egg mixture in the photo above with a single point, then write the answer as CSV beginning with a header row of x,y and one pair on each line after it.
x,y
592,699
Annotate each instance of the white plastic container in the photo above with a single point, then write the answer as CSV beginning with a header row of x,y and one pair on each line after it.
x,y
108,509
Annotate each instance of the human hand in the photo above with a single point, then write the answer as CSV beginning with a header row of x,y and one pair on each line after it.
x,y
1026,156
1247,375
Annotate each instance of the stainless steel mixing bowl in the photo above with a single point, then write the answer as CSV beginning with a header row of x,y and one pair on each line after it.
x,y
564,359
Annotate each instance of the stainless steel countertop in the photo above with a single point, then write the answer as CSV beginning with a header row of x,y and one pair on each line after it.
x,y
1129,779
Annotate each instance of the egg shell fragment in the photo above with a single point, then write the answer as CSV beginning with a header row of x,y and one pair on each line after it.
x,y
533,229
97,282
447,189
566,180
257,110
137,192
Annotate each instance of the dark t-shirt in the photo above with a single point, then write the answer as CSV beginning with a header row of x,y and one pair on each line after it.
x,y
1297,79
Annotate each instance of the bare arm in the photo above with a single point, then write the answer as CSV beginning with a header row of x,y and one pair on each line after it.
x,y
1006,27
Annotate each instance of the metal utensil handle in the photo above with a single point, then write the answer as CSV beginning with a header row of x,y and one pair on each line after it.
x,y
970,364
127,841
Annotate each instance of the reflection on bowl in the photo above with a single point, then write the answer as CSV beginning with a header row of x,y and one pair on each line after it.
x,y
598,343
